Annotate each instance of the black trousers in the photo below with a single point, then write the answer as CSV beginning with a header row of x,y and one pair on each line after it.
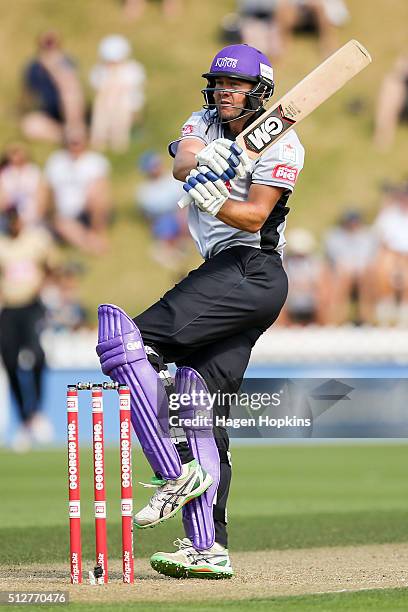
x,y
210,321
20,329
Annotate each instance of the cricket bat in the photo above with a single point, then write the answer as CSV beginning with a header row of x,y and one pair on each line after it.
x,y
317,87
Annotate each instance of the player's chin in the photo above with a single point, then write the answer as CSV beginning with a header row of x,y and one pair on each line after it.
x,y
229,113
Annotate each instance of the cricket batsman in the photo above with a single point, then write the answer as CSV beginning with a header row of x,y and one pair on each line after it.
x,y
208,323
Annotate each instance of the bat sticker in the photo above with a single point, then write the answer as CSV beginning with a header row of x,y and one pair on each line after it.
x,y
265,133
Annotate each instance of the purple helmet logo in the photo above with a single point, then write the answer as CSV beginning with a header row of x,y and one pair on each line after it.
x,y
226,62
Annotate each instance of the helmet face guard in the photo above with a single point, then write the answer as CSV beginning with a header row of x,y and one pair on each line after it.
x,y
243,63
255,97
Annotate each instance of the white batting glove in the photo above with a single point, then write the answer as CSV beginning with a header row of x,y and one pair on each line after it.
x,y
206,189
225,158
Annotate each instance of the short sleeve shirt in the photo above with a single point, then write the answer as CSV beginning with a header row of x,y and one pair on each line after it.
x,y
70,179
22,262
279,166
391,227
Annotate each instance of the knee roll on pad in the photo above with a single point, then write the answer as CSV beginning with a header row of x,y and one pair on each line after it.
x,y
198,514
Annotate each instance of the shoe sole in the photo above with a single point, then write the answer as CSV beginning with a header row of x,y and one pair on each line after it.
x,y
207,482
177,570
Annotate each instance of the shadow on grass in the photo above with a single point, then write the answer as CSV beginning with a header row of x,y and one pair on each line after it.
x,y
46,544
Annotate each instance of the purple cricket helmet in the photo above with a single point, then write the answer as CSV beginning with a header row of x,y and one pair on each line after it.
x,y
246,64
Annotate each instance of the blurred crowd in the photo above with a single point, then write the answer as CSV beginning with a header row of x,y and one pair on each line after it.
x,y
58,213
53,102
359,272
271,24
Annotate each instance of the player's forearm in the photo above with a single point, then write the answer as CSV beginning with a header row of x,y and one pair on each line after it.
x,y
183,164
246,216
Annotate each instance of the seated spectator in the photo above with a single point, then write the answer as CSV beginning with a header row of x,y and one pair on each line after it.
x,y
21,185
119,84
27,254
135,8
157,198
350,248
79,184
307,297
391,227
256,21
392,104
61,300
52,95
269,24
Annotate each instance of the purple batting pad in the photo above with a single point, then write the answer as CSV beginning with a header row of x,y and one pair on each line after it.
x,y
198,514
123,358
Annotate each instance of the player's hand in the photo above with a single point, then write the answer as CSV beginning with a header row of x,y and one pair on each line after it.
x,y
206,189
225,158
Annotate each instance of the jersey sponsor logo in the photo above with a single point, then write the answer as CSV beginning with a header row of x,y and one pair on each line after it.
x,y
226,62
187,129
265,133
288,152
284,173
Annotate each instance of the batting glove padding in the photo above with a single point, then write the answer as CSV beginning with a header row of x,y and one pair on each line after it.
x,y
225,158
206,189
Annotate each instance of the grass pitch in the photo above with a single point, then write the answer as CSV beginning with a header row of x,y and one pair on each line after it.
x,y
376,600
283,498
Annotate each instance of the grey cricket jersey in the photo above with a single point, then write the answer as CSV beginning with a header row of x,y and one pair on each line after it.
x,y
279,166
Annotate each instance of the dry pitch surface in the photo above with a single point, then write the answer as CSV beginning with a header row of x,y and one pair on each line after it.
x,y
258,575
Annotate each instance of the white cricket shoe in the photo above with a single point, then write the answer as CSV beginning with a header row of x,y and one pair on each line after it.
x,y
171,495
21,442
41,429
188,562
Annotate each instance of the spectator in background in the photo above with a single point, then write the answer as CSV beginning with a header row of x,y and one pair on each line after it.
x,y
391,227
26,255
350,248
61,300
157,198
392,105
52,95
22,185
307,297
79,185
269,24
119,100
135,8
258,25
